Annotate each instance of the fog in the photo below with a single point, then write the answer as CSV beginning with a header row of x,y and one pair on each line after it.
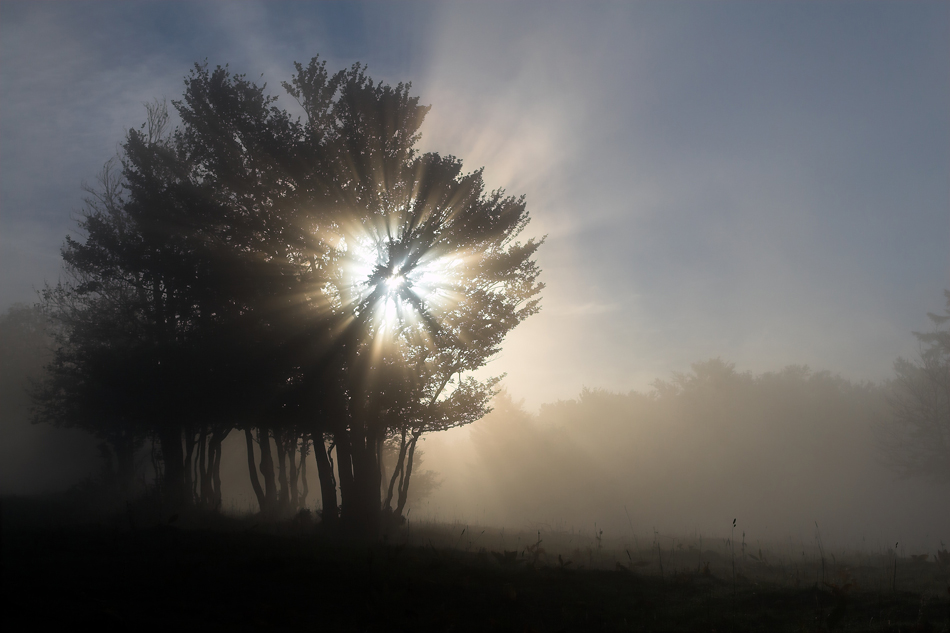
x,y
778,452
730,192
782,453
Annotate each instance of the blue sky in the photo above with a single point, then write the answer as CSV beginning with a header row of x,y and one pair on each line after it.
x,y
767,182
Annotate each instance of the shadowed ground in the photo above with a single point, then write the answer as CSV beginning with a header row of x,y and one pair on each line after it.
x,y
234,574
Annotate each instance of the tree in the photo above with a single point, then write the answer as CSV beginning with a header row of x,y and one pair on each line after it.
x,y
98,378
308,279
917,441
426,277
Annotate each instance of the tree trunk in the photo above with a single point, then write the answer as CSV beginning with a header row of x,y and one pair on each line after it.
x,y
302,471
291,448
216,439
189,466
252,467
397,472
331,510
205,461
283,499
404,483
344,466
380,464
267,470
361,508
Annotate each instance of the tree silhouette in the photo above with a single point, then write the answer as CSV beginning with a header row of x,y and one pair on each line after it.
x,y
917,442
302,279
426,279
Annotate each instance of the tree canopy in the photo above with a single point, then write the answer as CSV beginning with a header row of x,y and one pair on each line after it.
x,y
917,441
317,278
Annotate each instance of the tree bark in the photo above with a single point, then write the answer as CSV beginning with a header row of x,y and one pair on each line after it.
x,y
216,440
267,470
283,498
252,467
404,484
331,510
344,466
397,472
218,434
205,461
361,508
292,476
302,472
189,466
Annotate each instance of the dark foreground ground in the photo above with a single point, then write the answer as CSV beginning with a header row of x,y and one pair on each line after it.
x,y
243,576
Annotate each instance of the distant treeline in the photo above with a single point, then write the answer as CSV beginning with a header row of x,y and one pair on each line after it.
x,y
778,450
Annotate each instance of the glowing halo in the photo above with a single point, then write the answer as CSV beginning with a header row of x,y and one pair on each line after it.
x,y
395,282
399,288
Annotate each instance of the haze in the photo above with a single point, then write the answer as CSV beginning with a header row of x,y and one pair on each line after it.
x,y
763,183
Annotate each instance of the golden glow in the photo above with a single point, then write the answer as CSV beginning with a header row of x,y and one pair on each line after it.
x,y
396,293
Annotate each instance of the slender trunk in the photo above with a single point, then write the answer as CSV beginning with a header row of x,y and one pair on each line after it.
x,y
217,437
200,462
302,471
380,464
267,470
291,448
215,468
283,498
205,489
327,481
397,472
344,466
189,466
252,467
404,484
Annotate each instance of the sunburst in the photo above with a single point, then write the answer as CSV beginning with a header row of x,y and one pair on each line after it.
x,y
395,287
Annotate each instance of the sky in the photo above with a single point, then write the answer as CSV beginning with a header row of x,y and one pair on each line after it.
x,y
765,182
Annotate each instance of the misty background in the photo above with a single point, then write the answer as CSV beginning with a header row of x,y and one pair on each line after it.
x,y
763,183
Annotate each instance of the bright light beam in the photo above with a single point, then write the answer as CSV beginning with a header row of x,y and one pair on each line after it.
x,y
394,283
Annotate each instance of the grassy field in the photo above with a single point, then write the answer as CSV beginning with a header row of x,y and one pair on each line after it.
x,y
219,573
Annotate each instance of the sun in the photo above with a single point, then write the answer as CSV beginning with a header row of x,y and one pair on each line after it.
x,y
391,285
394,283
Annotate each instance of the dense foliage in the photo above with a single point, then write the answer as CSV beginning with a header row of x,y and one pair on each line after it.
x,y
299,280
